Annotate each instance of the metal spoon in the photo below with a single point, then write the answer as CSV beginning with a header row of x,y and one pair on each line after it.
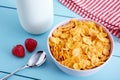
x,y
35,60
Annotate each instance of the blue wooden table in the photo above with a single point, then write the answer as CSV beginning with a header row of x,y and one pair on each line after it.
x,y
12,33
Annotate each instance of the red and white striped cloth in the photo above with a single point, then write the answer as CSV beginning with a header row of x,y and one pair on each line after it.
x,y
107,12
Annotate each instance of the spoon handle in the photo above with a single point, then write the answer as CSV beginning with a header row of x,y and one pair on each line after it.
x,y
9,75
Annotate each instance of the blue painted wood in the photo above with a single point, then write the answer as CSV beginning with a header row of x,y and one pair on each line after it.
x,y
12,33
17,77
10,3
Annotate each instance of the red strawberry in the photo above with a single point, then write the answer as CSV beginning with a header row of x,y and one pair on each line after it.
x,y
30,44
18,51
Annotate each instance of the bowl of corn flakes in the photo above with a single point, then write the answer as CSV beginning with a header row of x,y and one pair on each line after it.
x,y
80,47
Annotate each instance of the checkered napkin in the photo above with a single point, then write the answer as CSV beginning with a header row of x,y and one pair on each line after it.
x,y
107,12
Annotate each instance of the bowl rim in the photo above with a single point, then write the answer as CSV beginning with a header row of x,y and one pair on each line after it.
x,y
81,19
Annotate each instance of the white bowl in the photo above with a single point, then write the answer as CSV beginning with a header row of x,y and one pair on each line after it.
x,y
74,72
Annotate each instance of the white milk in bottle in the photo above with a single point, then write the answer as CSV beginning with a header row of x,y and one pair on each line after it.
x,y
36,16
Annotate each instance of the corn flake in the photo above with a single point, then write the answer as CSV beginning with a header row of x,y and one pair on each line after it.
x,y
80,45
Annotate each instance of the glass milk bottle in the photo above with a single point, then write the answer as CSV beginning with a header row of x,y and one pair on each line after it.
x,y
36,16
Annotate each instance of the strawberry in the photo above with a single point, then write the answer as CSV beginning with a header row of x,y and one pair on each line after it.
x,y
18,51
30,44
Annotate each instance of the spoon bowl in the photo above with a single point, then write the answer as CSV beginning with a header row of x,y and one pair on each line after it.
x,y
37,59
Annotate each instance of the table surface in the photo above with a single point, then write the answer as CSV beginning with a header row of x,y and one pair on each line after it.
x,y
12,33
